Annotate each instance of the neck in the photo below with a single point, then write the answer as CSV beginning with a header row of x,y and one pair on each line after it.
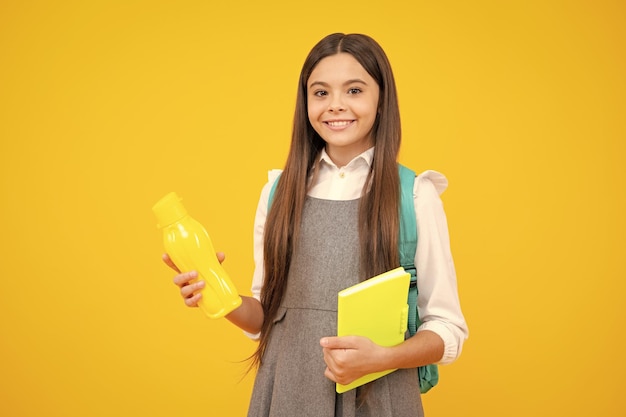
x,y
341,156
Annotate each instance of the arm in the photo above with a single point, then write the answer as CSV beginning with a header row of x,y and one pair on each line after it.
x,y
259,266
438,300
248,316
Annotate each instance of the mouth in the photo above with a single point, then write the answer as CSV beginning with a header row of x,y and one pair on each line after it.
x,y
338,124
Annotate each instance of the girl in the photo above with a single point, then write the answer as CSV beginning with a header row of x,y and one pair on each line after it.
x,y
334,222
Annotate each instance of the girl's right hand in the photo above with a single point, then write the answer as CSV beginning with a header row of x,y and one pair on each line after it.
x,y
190,291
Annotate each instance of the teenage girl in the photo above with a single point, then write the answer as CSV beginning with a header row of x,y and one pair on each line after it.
x,y
334,222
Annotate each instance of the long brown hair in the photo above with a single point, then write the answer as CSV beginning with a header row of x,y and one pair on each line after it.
x,y
378,213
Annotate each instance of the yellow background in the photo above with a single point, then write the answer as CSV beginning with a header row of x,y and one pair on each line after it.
x,y
107,105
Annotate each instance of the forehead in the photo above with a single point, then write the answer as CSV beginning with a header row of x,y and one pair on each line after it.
x,y
339,68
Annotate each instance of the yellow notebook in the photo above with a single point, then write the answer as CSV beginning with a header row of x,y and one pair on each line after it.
x,y
378,309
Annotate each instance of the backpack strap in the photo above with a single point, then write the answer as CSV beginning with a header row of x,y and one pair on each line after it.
x,y
272,191
407,244
429,374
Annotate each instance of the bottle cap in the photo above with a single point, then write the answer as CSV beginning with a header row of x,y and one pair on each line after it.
x,y
169,210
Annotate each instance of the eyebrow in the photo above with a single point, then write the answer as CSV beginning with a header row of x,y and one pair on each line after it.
x,y
352,81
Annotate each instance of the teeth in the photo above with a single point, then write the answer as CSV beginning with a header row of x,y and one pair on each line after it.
x,y
339,123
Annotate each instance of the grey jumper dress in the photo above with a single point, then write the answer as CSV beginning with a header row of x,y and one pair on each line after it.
x,y
291,382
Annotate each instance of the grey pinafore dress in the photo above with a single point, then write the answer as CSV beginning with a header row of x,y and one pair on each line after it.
x,y
291,381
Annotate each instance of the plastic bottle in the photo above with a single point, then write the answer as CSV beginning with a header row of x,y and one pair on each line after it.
x,y
189,246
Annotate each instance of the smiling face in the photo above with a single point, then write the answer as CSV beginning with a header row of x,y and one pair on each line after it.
x,y
342,106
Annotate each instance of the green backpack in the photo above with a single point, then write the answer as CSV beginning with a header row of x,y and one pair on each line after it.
x,y
429,374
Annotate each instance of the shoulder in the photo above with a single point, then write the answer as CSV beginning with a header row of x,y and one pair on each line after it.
x,y
272,176
430,182
427,179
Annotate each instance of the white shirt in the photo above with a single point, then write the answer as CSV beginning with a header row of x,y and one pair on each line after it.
x,y
437,300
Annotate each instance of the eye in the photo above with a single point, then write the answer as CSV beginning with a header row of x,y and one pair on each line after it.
x,y
320,93
354,90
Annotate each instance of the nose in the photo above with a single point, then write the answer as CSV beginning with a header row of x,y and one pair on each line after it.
x,y
336,104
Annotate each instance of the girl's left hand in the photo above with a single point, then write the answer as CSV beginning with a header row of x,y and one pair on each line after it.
x,y
350,357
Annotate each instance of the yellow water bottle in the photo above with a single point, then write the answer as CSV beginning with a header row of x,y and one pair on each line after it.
x,y
189,246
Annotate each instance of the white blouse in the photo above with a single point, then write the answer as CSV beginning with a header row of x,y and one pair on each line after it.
x,y
437,300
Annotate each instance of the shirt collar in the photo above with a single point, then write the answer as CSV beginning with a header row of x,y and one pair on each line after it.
x,y
366,157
